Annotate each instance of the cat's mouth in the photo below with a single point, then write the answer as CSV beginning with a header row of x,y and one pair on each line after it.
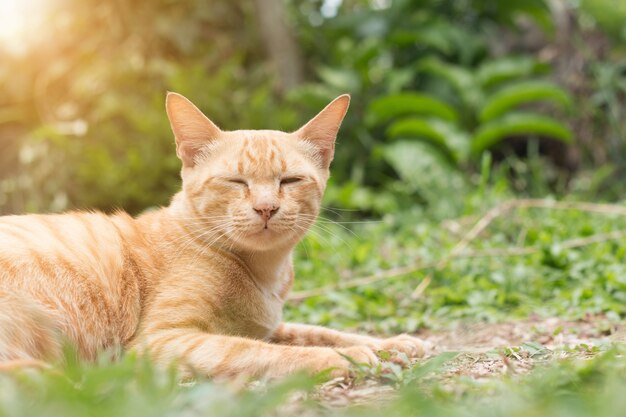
x,y
264,230
273,229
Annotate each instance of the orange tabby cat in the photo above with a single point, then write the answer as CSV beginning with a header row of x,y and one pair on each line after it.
x,y
201,282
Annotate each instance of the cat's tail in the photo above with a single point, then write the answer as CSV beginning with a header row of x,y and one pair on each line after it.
x,y
28,336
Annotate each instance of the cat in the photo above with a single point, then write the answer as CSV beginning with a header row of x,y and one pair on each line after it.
x,y
201,282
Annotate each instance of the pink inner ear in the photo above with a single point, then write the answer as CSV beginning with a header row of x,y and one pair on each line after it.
x,y
187,152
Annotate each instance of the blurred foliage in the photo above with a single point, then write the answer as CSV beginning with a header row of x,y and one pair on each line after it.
x,y
611,15
485,115
92,126
551,280
435,83
419,57
568,387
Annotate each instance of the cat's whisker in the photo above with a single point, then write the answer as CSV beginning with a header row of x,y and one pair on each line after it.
x,y
302,241
337,210
335,235
320,217
216,229
209,244
328,221
169,243
236,238
187,235
203,217
314,232
208,222
355,222
216,239
352,232
199,236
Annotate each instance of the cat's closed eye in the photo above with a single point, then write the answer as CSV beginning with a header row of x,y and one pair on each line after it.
x,y
289,180
238,181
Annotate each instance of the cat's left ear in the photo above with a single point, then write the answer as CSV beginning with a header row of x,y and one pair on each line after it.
x,y
192,129
322,130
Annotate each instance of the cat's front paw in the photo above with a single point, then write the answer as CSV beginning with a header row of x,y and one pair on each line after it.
x,y
341,360
412,347
360,354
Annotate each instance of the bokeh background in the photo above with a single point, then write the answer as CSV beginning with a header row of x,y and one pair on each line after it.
x,y
448,95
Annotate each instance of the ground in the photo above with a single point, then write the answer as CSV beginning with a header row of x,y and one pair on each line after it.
x,y
522,301
491,350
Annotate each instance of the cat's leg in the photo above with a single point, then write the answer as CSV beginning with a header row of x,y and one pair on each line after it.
x,y
227,356
307,335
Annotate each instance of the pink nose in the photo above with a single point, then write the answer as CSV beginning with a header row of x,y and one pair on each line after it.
x,y
266,211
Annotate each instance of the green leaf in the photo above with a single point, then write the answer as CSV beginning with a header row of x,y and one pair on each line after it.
x,y
402,104
537,10
341,79
431,365
513,124
609,14
431,37
444,36
414,161
496,71
534,348
425,130
460,78
424,169
522,93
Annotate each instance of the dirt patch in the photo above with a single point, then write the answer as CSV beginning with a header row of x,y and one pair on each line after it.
x,y
490,350
516,347
552,333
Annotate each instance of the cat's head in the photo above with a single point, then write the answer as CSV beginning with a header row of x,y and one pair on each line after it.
x,y
253,189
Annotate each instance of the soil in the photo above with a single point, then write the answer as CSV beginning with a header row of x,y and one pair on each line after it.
x,y
490,350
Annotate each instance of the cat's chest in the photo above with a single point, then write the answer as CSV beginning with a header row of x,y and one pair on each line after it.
x,y
232,300
249,312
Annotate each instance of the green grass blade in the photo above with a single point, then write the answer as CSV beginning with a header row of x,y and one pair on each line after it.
x,y
432,365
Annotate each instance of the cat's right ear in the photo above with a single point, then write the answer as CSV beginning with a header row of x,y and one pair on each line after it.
x,y
192,129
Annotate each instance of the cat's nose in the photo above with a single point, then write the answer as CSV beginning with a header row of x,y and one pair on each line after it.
x,y
266,210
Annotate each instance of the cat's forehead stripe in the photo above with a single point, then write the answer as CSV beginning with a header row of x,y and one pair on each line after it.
x,y
261,154
240,165
250,155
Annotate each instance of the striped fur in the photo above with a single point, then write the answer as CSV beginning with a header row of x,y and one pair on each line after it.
x,y
201,282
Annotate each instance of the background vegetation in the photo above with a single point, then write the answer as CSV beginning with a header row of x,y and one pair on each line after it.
x,y
460,107
439,86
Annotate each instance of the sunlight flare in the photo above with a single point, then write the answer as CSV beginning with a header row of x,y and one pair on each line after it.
x,y
20,20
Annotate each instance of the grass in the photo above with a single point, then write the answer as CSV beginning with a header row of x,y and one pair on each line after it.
x,y
569,386
550,281
536,334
